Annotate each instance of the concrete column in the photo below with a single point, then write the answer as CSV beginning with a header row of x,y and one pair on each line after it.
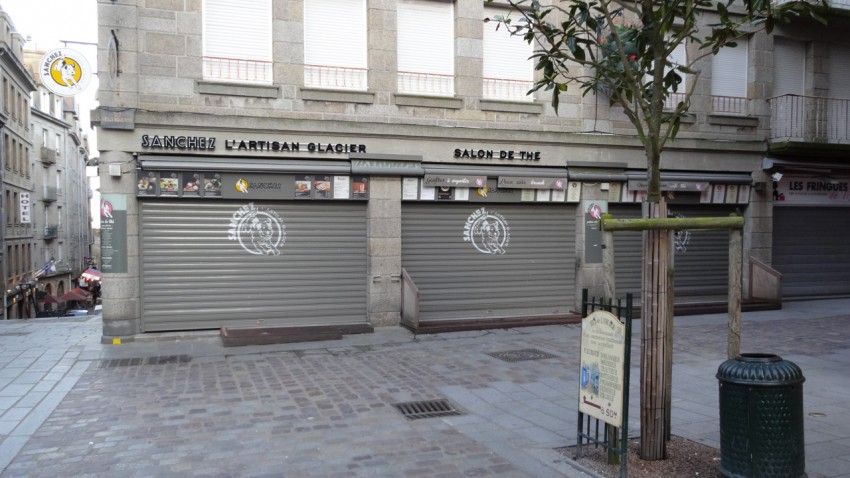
x,y
120,293
384,230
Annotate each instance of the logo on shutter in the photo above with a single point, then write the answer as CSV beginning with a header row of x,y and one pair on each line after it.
x,y
258,231
487,231
681,239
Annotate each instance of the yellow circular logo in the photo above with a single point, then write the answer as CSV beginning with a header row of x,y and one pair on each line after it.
x,y
66,72
242,186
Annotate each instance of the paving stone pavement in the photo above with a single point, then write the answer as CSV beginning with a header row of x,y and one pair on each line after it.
x,y
184,406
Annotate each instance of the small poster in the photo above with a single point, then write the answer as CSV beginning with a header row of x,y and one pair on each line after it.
x,y
303,186
146,183
461,194
191,184
573,191
559,195
444,193
360,187
427,193
169,184
323,187
410,189
528,195
342,187
543,195
212,184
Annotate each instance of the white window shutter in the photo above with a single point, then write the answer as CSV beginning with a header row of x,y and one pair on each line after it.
x,y
425,47
335,43
789,67
729,71
237,40
729,79
508,69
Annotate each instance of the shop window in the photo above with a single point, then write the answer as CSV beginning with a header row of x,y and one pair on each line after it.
x,y
508,69
238,41
335,44
426,47
729,79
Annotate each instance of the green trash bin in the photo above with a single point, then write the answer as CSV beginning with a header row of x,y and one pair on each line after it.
x,y
761,417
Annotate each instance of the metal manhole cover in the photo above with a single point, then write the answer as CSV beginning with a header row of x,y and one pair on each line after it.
x,y
129,362
427,409
521,355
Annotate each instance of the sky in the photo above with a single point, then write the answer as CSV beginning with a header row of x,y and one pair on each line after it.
x,y
47,23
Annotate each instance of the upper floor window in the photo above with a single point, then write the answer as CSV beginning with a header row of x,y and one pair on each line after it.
x,y
678,57
426,47
508,69
335,44
729,79
238,40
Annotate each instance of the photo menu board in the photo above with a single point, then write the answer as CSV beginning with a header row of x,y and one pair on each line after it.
x,y
207,184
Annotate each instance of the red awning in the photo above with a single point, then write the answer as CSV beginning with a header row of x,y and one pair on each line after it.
x,y
49,299
71,295
91,274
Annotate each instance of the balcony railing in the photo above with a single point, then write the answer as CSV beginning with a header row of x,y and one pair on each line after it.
x,y
336,77
49,155
673,100
51,232
731,105
235,69
410,82
809,119
509,90
50,194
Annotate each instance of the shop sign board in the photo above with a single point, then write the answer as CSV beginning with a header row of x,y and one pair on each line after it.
x,y
26,209
532,183
603,352
690,186
113,233
454,181
799,190
593,211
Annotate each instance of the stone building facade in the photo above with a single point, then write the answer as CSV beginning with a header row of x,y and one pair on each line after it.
x,y
288,188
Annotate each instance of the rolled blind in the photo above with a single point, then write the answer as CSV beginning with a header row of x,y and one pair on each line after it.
x,y
335,33
505,56
426,37
729,71
238,30
789,67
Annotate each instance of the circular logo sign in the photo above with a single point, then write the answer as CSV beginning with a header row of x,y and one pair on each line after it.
x,y
259,231
487,231
65,72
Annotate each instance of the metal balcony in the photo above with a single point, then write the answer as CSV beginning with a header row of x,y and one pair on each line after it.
x,y
809,121
51,232
49,155
50,194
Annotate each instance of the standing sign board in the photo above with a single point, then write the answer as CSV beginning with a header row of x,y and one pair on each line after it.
x,y
113,233
603,351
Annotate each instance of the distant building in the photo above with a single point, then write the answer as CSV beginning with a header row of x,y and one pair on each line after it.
x,y
47,233
350,164
60,198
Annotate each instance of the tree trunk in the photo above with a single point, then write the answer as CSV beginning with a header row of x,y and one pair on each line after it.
x,y
656,351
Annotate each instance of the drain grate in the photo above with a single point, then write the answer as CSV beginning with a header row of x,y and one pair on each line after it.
x,y
521,355
427,409
160,360
13,334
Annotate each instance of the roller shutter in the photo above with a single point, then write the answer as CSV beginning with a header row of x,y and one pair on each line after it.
x,y
531,275
810,250
202,267
701,260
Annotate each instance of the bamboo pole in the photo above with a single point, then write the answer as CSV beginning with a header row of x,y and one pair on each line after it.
x,y
608,265
736,252
654,351
673,223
